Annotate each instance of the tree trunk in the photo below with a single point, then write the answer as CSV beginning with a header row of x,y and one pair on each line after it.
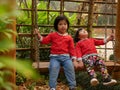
x,y
117,34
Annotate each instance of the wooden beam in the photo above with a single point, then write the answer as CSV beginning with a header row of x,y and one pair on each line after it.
x,y
90,17
117,35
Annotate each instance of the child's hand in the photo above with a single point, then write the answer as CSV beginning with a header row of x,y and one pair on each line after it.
x,y
36,32
110,38
75,63
80,65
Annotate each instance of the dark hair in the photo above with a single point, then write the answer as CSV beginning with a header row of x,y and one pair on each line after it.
x,y
76,39
58,19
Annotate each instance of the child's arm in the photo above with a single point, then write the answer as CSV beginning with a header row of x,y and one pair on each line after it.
x,y
102,42
43,40
78,55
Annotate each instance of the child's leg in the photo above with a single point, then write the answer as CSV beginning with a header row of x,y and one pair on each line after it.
x,y
103,68
106,77
69,72
53,71
89,64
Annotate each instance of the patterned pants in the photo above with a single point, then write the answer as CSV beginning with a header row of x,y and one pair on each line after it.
x,y
93,60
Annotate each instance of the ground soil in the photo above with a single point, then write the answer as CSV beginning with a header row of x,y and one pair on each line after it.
x,y
60,86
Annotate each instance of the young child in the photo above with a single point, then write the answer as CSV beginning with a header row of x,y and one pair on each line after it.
x,y
62,52
87,53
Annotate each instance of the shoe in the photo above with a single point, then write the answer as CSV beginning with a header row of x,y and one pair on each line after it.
x,y
111,82
94,82
52,88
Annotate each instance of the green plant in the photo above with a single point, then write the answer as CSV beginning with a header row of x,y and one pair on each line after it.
x,y
111,57
20,79
83,80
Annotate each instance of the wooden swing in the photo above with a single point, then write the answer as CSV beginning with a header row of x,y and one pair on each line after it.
x,y
43,66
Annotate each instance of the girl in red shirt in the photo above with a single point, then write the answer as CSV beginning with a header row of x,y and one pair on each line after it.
x,y
87,53
62,52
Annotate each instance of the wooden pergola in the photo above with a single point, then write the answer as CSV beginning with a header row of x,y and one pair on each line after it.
x,y
90,12
12,53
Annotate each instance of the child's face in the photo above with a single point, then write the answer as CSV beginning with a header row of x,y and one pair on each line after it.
x,y
62,26
83,34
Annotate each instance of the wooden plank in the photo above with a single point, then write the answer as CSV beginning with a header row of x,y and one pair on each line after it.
x,y
111,63
43,66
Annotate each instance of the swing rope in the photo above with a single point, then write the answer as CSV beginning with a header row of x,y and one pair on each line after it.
x,y
36,41
113,42
105,30
36,47
112,31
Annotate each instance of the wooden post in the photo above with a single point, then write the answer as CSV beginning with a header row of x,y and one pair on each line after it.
x,y
61,7
117,34
90,17
11,53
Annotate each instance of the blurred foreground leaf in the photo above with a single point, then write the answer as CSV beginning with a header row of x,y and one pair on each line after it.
x,y
23,67
6,45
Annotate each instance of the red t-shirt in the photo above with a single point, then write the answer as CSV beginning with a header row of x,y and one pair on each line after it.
x,y
60,44
87,46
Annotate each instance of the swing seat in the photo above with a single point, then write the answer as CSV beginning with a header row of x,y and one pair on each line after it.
x,y
43,66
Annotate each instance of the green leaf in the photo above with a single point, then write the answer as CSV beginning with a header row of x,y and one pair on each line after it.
x,y
10,31
7,86
1,66
1,80
6,45
24,67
